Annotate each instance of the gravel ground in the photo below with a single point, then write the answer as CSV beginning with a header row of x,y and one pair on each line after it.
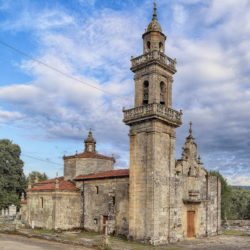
x,y
14,242
221,242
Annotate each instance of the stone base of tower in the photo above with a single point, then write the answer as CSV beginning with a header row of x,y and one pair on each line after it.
x,y
152,162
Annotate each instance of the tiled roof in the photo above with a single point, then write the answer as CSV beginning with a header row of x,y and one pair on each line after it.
x,y
51,185
89,155
118,173
24,202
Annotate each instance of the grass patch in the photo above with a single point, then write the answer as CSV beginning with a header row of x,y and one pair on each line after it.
x,y
43,231
115,243
89,234
235,233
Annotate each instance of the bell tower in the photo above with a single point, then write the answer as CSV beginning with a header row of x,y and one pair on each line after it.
x,y
152,124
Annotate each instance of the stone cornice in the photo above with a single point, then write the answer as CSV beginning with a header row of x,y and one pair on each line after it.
x,y
152,111
153,57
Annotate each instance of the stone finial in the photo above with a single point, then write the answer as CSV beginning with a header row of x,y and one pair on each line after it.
x,y
90,143
190,136
36,178
154,25
190,128
199,160
189,150
155,12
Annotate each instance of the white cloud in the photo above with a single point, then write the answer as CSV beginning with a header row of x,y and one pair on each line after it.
x,y
211,85
8,116
45,19
238,180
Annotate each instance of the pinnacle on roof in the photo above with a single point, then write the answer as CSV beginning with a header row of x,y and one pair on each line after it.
x,y
154,25
190,136
155,12
90,137
90,143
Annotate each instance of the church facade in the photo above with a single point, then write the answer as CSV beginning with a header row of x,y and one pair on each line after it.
x,y
158,199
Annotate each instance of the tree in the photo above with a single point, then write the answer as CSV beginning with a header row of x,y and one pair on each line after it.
x,y
36,175
12,179
248,210
226,192
235,202
240,204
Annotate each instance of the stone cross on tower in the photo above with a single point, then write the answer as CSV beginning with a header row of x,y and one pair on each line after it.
x,y
190,130
152,124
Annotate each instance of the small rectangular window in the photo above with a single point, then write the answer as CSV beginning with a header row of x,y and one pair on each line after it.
x,y
41,201
97,189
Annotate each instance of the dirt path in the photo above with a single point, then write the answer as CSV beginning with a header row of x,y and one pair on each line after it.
x,y
221,242
14,242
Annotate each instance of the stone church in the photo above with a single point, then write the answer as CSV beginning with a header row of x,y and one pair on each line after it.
x,y
158,199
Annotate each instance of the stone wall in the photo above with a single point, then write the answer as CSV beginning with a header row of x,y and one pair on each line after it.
x,y
69,168
200,195
214,206
106,199
86,166
24,213
83,166
54,210
240,223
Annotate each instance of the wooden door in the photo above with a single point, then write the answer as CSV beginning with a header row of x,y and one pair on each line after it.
x,y
190,223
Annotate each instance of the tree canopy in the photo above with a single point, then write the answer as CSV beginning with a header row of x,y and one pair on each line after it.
x,y
235,202
12,179
36,175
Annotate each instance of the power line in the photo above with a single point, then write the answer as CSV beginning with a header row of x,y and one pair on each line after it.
x,y
51,67
40,159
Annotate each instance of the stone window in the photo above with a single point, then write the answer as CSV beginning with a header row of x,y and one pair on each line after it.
x,y
161,47
95,221
148,45
162,93
97,189
42,202
145,92
113,200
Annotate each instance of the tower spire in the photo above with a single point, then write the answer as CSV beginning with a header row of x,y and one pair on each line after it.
x,y
190,129
90,143
155,12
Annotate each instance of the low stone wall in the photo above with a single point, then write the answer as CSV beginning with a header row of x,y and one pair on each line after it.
x,y
6,219
241,223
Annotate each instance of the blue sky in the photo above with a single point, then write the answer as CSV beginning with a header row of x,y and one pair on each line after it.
x,y
49,115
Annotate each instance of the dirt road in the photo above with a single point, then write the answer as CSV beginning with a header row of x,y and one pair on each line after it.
x,y
14,242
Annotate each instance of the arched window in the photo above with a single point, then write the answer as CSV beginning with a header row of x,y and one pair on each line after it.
x,y
161,47
162,93
145,92
148,45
